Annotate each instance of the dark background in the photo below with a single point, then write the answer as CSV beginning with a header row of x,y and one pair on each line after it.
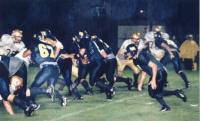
x,y
102,17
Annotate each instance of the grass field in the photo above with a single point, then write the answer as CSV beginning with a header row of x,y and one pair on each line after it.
x,y
126,105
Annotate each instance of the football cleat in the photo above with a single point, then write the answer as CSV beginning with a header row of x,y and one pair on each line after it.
x,y
180,94
35,106
188,85
110,94
28,110
61,87
80,98
76,92
135,84
129,82
165,108
89,92
51,92
64,101
166,84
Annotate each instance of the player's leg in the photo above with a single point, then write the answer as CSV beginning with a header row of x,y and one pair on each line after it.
x,y
157,93
136,73
82,73
65,66
110,71
94,80
41,77
177,67
121,64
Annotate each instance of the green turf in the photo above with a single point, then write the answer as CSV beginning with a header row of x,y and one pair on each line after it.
x,y
126,105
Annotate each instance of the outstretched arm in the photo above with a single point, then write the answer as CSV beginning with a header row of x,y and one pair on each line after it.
x,y
168,49
8,107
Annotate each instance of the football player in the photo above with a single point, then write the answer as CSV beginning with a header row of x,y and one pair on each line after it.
x,y
79,46
65,64
82,61
156,45
13,87
176,60
92,60
123,61
169,52
158,76
44,51
109,62
11,44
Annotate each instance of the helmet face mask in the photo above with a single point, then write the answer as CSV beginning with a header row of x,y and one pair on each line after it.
x,y
132,50
17,34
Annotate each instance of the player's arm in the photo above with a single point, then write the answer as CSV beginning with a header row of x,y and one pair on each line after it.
x,y
26,53
164,45
67,56
101,48
59,46
8,107
122,49
143,76
153,66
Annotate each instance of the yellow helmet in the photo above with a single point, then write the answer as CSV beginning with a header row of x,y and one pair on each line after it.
x,y
135,35
94,36
158,28
17,33
81,34
16,82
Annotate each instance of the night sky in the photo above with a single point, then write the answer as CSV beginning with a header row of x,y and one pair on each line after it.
x,y
101,17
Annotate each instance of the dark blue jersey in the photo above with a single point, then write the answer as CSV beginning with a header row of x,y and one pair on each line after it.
x,y
5,60
159,40
42,52
75,48
143,60
106,47
94,49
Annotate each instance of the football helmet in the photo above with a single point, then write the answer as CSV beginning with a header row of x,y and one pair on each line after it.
x,y
136,35
17,33
83,34
158,28
132,49
16,83
43,34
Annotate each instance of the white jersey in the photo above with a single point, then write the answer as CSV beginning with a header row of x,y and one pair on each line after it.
x,y
141,45
27,59
123,47
7,45
170,42
155,51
